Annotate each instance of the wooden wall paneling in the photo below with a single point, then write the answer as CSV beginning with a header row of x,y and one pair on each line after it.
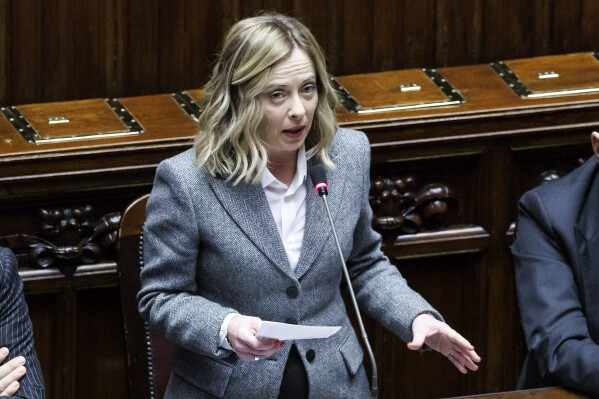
x,y
61,29
94,46
386,36
543,28
116,48
509,29
206,24
358,28
503,325
80,49
567,24
251,8
589,31
193,32
67,311
173,46
479,203
142,38
25,57
192,38
324,19
429,375
458,32
416,27
4,50
100,345
46,332
574,25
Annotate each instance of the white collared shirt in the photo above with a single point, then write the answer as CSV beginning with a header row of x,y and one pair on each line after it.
x,y
288,207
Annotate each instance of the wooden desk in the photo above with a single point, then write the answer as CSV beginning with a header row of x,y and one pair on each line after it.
x,y
542,393
445,185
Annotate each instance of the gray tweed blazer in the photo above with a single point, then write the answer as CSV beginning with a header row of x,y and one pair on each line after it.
x,y
211,248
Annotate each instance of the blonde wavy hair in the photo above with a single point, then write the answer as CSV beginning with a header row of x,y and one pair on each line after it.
x,y
228,143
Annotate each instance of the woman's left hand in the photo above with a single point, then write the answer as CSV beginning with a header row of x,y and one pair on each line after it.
x,y
439,336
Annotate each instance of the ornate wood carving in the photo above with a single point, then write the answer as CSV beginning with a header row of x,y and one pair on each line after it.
x,y
69,236
400,207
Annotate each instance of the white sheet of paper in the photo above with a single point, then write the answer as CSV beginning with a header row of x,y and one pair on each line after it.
x,y
284,332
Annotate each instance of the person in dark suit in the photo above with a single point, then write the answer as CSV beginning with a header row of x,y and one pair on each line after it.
x,y
20,373
235,234
556,256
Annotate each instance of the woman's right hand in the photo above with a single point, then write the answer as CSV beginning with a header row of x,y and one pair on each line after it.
x,y
241,334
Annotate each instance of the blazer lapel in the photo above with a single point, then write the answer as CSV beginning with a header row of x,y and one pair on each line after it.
x,y
588,219
247,206
587,241
317,229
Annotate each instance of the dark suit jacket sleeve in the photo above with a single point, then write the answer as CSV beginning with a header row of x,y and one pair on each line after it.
x,y
15,326
554,323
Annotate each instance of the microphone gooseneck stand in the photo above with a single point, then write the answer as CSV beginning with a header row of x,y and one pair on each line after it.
x,y
355,303
319,179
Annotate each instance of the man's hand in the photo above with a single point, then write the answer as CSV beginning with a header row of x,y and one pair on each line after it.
x,y
10,373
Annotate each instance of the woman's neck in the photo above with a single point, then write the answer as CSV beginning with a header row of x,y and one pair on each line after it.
x,y
283,169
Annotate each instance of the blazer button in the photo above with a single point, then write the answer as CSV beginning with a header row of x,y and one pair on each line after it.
x,y
292,292
310,355
290,320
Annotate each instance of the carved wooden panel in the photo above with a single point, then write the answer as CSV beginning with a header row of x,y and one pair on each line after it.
x,y
400,206
73,235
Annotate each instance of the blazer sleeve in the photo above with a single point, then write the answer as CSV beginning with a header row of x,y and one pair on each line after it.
x,y
380,288
553,319
168,298
16,331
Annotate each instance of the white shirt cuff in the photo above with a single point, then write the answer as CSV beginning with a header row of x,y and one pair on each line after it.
x,y
224,342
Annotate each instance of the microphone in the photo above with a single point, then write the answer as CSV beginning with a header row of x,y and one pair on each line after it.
x,y
319,179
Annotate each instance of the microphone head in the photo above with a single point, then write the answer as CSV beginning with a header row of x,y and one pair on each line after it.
x,y
319,179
